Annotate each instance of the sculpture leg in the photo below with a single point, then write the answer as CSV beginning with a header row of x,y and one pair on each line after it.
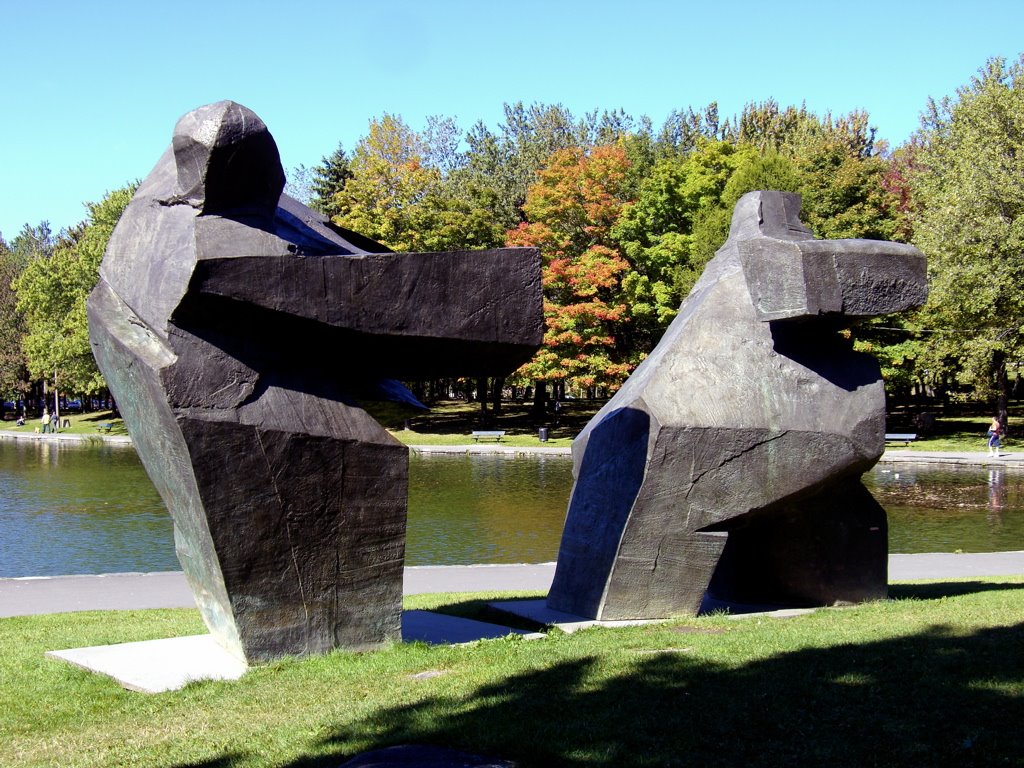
x,y
610,471
826,549
308,532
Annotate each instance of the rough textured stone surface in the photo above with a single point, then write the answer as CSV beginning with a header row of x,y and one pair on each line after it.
x,y
240,333
732,457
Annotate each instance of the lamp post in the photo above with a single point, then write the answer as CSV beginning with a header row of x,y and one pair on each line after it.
x,y
56,400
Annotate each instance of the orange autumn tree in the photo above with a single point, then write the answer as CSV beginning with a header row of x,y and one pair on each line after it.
x,y
569,212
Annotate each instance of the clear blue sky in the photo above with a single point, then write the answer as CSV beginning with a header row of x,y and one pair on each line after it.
x,y
91,90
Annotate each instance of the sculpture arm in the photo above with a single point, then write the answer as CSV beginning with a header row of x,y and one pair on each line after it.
x,y
465,312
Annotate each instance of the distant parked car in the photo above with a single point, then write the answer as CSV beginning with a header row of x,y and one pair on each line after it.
x,y
73,405
9,405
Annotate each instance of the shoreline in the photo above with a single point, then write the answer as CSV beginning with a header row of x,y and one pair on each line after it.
x,y
890,456
65,437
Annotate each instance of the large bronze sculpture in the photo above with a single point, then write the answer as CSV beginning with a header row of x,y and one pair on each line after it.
x,y
730,460
240,333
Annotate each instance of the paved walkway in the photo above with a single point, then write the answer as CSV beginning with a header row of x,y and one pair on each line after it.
x,y
65,437
1014,459
133,591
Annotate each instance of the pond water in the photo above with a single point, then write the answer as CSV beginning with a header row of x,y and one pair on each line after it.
x,y
67,508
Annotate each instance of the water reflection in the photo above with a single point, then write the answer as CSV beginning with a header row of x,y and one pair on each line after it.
x,y
996,495
486,508
67,508
949,508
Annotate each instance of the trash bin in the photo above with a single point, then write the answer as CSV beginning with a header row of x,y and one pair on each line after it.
x,y
542,433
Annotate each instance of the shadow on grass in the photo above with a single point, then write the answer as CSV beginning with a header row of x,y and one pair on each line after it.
x,y
940,589
936,698
99,416
226,761
515,418
480,610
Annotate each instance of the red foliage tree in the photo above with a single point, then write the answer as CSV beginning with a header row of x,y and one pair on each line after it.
x,y
570,211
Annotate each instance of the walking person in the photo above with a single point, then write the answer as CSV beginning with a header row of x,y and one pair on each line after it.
x,y
995,431
45,420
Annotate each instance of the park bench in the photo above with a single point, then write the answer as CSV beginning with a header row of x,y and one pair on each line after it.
x,y
495,435
900,437
104,427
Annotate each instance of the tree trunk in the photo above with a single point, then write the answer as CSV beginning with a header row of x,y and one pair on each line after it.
x,y
497,385
540,399
1003,389
481,396
56,399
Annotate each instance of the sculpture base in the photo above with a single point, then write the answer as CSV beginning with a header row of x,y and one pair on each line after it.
x,y
538,612
157,666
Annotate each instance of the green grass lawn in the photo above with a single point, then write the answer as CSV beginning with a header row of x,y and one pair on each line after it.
x,y
451,422
960,434
934,677
80,424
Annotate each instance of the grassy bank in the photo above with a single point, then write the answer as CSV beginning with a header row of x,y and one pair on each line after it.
x,y
78,424
452,422
964,434
933,677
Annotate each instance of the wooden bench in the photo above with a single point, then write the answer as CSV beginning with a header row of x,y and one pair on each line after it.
x,y
495,435
104,427
900,437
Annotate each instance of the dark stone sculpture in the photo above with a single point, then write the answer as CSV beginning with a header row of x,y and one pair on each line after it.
x,y
240,333
730,460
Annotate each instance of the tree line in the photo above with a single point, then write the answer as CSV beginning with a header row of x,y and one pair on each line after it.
x,y
626,215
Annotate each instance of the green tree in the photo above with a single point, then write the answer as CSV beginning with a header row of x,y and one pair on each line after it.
x,y
327,180
51,294
845,195
31,243
664,234
684,130
507,161
388,180
770,128
412,195
13,373
969,184
753,171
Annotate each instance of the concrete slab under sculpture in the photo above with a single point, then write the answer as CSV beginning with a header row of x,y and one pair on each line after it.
x,y
240,333
730,461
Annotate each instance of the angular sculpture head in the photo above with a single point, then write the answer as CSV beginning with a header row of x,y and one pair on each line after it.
x,y
241,334
730,460
227,161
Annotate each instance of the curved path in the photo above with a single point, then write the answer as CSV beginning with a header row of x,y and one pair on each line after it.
x,y
133,591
